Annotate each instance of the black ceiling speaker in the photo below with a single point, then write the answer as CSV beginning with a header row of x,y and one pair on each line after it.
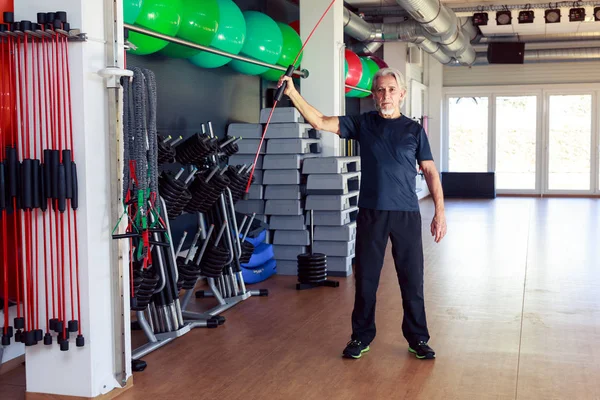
x,y
506,53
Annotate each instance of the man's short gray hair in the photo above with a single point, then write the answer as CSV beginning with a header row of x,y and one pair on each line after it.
x,y
389,71
396,74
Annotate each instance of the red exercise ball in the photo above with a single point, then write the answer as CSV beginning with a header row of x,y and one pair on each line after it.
x,y
354,69
378,61
295,25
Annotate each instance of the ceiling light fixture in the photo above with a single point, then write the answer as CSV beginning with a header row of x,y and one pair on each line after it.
x,y
552,16
503,18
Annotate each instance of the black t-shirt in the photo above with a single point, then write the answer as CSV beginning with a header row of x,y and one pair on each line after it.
x,y
389,151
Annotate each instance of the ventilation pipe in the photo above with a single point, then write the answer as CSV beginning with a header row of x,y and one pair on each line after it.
x,y
408,32
443,25
551,55
550,37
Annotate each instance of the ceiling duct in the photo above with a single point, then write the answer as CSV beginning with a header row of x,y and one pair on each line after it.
x,y
441,23
407,32
550,55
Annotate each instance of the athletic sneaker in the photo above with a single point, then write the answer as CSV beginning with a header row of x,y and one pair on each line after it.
x,y
355,349
422,351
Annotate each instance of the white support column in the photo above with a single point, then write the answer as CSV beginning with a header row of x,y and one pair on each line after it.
x,y
87,371
324,58
394,54
435,110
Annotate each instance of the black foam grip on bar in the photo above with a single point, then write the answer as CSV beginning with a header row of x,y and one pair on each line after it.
x,y
26,185
43,198
9,17
11,157
3,28
66,159
50,17
57,24
35,185
54,160
61,16
281,89
47,174
75,199
2,187
36,27
62,188
41,18
16,26
26,26
66,27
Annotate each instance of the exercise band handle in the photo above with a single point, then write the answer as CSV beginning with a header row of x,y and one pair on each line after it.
x,y
13,169
35,178
75,199
281,89
2,187
68,172
26,194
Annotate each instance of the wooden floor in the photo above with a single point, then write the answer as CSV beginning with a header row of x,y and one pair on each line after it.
x,y
513,304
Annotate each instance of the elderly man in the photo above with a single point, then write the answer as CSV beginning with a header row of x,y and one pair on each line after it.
x,y
390,147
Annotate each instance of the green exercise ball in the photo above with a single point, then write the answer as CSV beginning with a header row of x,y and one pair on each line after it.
x,y
131,10
230,37
373,67
345,69
291,46
199,22
264,42
162,16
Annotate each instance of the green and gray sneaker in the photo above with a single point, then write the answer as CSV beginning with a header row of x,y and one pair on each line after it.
x,y
355,349
422,351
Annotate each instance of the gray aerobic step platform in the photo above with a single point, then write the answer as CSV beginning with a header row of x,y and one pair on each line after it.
x,y
332,202
331,165
249,146
248,159
293,146
246,131
281,115
333,183
336,233
291,131
339,266
258,177
284,192
334,249
286,267
287,222
286,161
283,207
250,206
292,238
283,177
284,252
256,192
333,218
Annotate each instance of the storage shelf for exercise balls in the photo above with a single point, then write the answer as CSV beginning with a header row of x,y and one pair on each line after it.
x,y
302,73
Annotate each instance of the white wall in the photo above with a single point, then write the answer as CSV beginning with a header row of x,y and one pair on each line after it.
x,y
523,74
324,59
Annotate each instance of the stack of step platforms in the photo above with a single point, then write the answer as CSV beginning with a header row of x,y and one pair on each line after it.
x,y
291,141
332,193
250,134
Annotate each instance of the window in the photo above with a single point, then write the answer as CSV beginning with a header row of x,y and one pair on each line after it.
x,y
468,134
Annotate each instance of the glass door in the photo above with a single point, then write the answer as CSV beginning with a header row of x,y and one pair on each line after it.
x,y
468,133
516,143
569,141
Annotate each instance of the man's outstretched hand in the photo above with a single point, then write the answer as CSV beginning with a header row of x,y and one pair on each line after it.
x,y
438,227
290,85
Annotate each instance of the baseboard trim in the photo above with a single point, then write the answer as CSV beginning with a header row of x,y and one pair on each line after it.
x,y
107,396
12,364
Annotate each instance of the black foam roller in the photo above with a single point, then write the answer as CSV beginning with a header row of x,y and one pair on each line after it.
x,y
9,17
2,187
54,160
62,188
43,198
75,199
35,185
26,195
68,173
47,174
11,156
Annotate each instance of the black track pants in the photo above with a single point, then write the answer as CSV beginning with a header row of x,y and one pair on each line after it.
x,y
374,228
